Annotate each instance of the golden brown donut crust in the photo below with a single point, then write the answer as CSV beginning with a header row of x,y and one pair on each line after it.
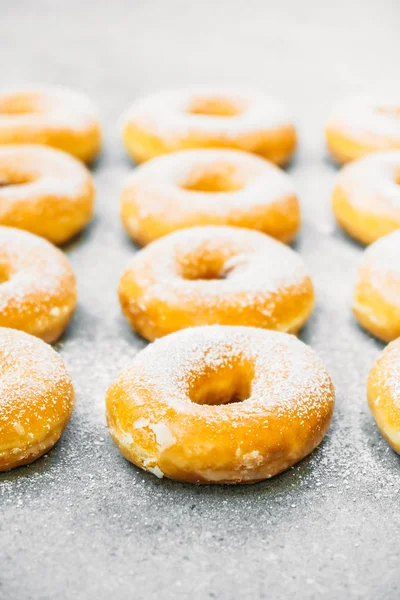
x,y
36,398
44,191
209,187
220,405
376,302
215,275
53,116
38,287
366,196
208,118
384,393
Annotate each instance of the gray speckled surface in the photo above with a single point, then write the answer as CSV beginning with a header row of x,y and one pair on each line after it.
x,y
82,522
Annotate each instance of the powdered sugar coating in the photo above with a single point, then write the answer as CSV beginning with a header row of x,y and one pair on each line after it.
x,y
51,171
155,193
217,275
369,119
55,107
381,262
371,184
290,391
168,114
289,376
38,292
387,373
36,397
45,191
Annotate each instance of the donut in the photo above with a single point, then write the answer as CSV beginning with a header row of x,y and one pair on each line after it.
x,y
360,125
215,275
220,404
38,288
36,398
208,118
52,116
209,187
366,196
376,302
383,392
44,191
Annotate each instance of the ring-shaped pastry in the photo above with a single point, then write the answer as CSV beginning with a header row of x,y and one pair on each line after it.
x,y
37,285
215,275
209,118
376,302
44,191
209,187
366,197
384,393
36,398
53,116
361,125
220,405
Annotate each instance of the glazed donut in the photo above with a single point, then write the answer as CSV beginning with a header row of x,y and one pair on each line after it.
x,y
220,405
38,287
376,302
215,275
383,393
209,187
366,197
44,191
52,116
36,398
208,118
360,125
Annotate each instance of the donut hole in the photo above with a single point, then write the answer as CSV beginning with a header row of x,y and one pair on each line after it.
x,y
390,111
11,177
215,106
5,273
215,178
202,264
22,104
229,383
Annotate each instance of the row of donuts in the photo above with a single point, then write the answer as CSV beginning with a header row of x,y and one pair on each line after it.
x,y
223,117
50,195
211,263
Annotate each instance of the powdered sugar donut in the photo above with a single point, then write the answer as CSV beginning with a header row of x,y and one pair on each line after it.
x,y
220,405
384,393
209,118
36,398
363,124
38,287
44,191
366,197
215,275
209,187
376,301
53,116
